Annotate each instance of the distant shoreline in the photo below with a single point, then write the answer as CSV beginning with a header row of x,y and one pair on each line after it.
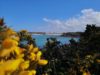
x,y
67,34
72,34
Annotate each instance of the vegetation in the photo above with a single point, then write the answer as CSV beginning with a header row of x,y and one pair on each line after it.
x,y
16,58
76,58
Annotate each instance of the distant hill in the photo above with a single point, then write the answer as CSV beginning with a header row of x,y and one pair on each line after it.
x,y
71,34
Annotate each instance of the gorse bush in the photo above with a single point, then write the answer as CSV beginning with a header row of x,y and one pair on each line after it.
x,y
16,59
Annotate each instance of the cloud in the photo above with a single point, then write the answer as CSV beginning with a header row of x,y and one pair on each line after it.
x,y
73,24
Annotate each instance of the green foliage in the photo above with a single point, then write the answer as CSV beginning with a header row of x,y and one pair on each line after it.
x,y
26,38
74,58
2,25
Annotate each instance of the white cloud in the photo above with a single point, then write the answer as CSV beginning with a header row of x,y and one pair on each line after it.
x,y
87,16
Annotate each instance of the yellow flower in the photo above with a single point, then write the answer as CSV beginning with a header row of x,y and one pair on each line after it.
x,y
38,55
33,72
42,62
15,43
10,65
7,33
86,73
1,62
17,50
9,30
5,52
24,65
30,47
22,50
24,73
32,56
8,43
36,49
2,72
19,56
16,38
45,74
98,60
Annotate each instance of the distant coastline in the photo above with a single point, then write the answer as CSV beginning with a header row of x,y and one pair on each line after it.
x,y
65,34
72,34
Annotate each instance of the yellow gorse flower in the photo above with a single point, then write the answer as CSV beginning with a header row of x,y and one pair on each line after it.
x,y
16,50
36,49
32,56
15,37
10,65
98,60
5,52
8,43
33,72
38,55
24,65
10,32
42,62
30,47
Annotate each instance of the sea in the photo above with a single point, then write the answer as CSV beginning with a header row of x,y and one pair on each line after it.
x,y
42,39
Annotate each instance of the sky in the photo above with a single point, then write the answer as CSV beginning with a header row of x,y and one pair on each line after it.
x,y
50,15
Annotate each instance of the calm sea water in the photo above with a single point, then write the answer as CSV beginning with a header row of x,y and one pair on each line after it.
x,y
41,39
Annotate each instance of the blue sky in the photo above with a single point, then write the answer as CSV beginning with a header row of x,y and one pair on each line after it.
x,y
49,15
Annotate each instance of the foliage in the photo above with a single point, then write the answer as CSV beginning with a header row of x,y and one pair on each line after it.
x,y
77,58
